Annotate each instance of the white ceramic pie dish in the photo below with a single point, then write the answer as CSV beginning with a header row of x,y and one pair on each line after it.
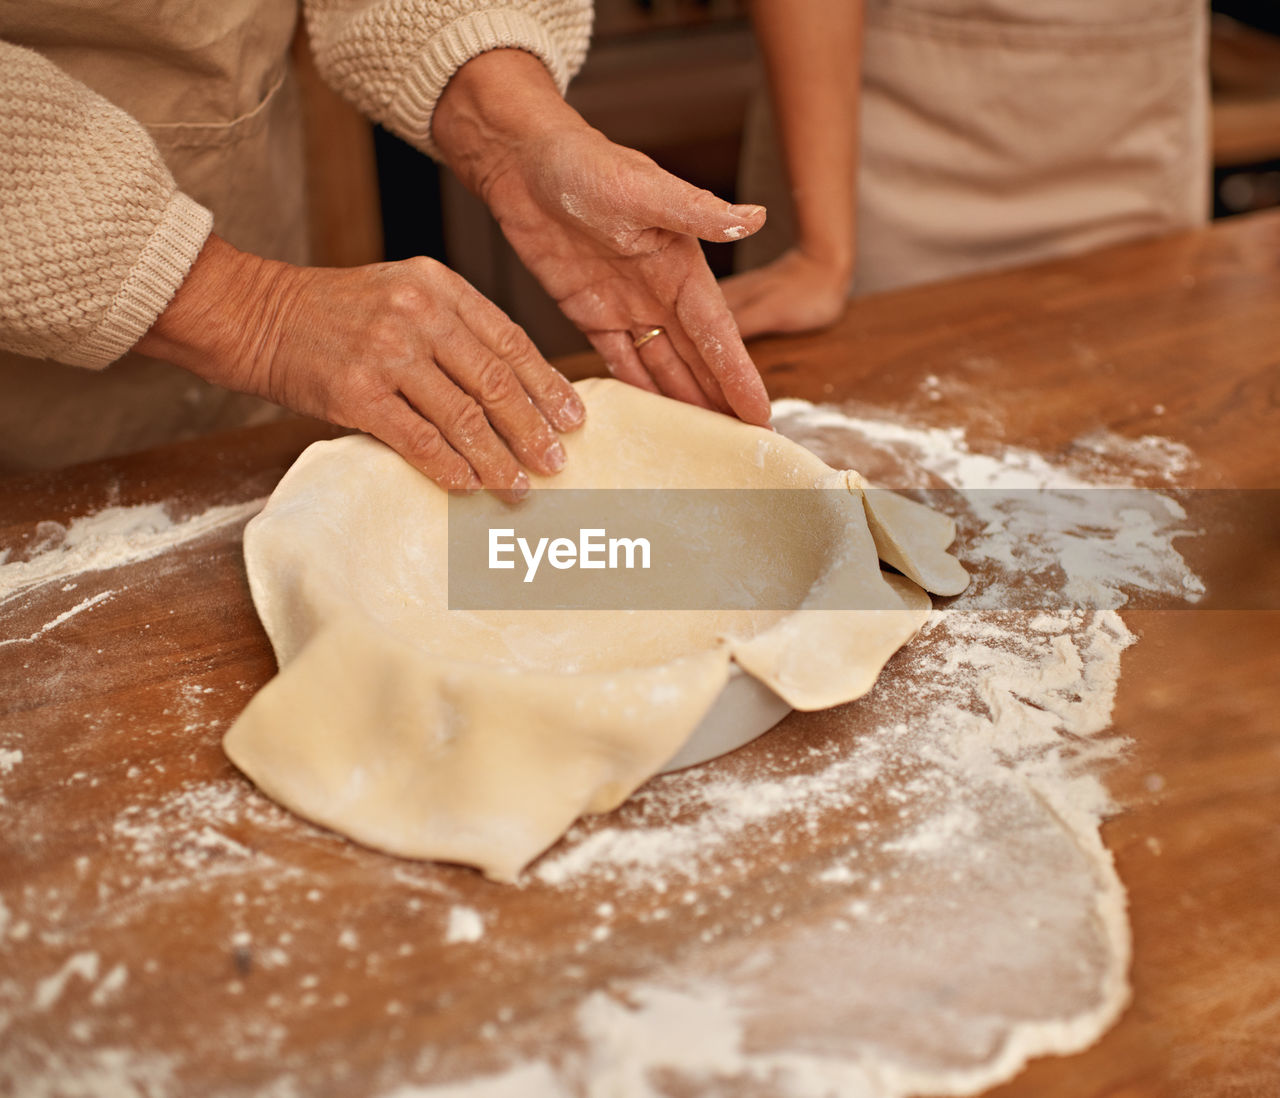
x,y
744,710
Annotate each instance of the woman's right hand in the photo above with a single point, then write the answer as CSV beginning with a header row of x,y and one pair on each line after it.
x,y
409,352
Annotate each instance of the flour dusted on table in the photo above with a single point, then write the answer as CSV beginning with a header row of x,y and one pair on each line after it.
x,y
973,918
955,914
109,538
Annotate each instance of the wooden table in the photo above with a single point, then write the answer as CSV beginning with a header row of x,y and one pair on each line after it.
x,y
154,902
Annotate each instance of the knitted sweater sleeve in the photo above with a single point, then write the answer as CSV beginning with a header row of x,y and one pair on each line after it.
x,y
95,237
393,58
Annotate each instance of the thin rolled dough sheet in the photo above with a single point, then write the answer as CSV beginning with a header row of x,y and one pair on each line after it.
x,y
480,736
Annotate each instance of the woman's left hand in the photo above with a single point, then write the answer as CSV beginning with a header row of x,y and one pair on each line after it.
x,y
797,292
609,234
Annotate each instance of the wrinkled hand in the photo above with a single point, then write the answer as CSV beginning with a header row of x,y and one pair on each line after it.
x,y
408,352
609,234
612,237
794,293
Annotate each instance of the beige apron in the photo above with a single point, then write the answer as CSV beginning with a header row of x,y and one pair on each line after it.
x,y
1001,132
211,80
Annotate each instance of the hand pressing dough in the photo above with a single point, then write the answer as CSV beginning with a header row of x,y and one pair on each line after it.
x,y
480,736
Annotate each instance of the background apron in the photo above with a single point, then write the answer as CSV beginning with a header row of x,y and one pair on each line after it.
x,y
1001,132
212,83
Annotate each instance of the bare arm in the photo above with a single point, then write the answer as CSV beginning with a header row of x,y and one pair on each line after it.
x,y
812,52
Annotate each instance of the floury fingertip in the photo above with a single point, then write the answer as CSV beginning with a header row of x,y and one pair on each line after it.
x,y
573,412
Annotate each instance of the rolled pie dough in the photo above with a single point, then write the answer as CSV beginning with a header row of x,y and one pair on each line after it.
x,y
480,736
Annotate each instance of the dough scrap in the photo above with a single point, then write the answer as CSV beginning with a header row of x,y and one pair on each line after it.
x,y
479,736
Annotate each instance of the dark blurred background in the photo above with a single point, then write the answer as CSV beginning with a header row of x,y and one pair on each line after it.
x,y
1244,64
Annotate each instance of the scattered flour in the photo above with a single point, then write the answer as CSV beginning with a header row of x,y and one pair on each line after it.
x,y
984,922
49,990
524,1081
110,985
110,538
73,1072
957,914
932,455
465,925
183,830
1165,457
1072,533
66,615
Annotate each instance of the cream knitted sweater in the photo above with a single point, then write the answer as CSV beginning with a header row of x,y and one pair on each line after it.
x,y
95,237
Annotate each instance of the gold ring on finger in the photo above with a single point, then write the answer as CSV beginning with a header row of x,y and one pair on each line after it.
x,y
652,333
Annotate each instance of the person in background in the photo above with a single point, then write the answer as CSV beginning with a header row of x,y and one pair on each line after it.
x,y
153,254
907,141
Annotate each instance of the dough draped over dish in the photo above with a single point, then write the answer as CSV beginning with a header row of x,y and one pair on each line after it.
x,y
479,736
